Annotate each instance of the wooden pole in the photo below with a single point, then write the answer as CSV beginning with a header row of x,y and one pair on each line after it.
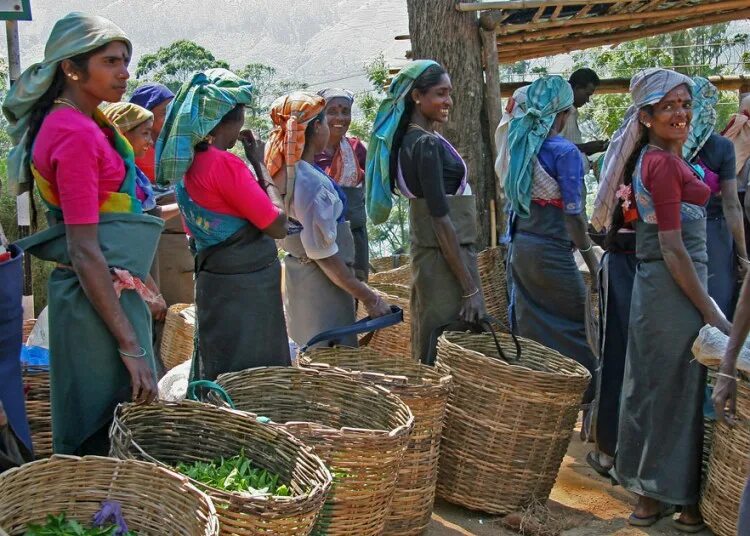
x,y
23,201
531,4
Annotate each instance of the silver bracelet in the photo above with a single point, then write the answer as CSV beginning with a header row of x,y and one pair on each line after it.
x,y
476,291
139,355
744,261
723,375
591,245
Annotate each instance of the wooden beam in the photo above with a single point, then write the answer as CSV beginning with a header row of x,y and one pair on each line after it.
x,y
622,85
603,20
405,37
529,4
511,54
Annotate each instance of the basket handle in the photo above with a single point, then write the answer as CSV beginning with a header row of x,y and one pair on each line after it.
x,y
487,321
477,327
211,386
361,326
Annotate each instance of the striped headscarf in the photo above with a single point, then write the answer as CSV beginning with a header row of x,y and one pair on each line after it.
x,y
198,107
74,34
126,115
336,93
647,87
378,167
545,98
290,115
738,130
705,97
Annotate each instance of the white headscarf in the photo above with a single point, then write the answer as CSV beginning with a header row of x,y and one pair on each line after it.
x,y
515,108
738,131
647,87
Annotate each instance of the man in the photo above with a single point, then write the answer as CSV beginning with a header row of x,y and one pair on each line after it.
x,y
584,83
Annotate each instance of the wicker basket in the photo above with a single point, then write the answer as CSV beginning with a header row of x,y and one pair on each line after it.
x,y
359,430
425,391
189,431
507,426
38,408
28,326
491,264
383,264
177,341
394,341
397,276
155,502
727,468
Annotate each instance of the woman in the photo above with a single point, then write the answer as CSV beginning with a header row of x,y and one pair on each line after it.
x,y
156,99
100,327
725,233
661,419
344,159
320,283
406,151
738,132
545,189
233,221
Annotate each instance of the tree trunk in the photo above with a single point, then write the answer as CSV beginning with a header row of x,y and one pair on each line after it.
x,y
441,33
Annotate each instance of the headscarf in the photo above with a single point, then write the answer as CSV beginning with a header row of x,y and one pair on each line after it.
x,y
545,98
705,97
647,87
126,115
378,172
336,93
74,34
198,107
151,95
515,107
738,130
290,115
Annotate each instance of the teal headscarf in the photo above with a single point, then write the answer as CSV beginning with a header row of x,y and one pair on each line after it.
x,y
197,108
74,34
378,172
705,97
545,98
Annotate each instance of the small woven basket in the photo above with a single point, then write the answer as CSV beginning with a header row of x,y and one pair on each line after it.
x,y
383,264
394,341
425,391
727,468
491,265
177,340
359,430
38,408
154,501
187,431
508,425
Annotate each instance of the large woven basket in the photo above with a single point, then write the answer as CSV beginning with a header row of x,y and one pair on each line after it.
x,y
397,276
188,431
177,340
155,502
727,468
28,327
359,430
507,426
394,341
491,265
383,264
425,391
38,408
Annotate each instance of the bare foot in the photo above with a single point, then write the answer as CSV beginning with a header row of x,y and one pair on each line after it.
x,y
647,507
690,515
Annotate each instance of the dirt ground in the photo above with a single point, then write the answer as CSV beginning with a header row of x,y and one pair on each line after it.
x,y
586,504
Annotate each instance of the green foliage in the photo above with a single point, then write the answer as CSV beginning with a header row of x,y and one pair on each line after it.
x,y
235,474
369,101
61,526
175,64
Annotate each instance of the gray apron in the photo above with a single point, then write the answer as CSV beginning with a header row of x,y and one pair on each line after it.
x,y
175,264
661,410
357,218
314,302
436,293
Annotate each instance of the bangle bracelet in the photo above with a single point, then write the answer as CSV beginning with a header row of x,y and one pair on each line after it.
x,y
139,355
743,260
723,375
591,245
476,291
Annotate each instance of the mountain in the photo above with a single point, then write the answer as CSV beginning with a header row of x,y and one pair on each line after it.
x,y
320,42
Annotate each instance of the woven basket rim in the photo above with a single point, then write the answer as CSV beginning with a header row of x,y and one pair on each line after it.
x,y
316,489
581,371
402,429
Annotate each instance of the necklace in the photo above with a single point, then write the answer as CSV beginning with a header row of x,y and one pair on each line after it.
x,y
420,127
656,147
67,102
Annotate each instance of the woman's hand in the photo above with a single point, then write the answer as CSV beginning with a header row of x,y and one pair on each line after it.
x,y
376,306
253,148
158,308
142,377
717,319
472,307
725,398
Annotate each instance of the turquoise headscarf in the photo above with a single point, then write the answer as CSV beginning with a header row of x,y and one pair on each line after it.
x,y
705,97
74,34
378,172
197,108
545,98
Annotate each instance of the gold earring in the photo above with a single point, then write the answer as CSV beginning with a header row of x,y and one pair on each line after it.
x,y
209,139
73,76
417,102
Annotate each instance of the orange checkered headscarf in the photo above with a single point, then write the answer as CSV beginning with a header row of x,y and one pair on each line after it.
x,y
290,115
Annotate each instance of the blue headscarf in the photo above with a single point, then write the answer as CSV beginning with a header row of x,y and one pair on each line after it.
x,y
705,97
378,167
150,96
545,98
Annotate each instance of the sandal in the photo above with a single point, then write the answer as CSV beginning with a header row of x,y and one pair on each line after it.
x,y
689,528
593,460
635,521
